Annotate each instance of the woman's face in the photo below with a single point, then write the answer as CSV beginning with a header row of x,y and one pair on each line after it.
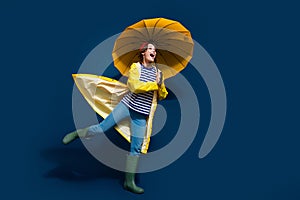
x,y
150,54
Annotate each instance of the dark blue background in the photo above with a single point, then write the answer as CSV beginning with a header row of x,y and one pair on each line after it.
x,y
255,45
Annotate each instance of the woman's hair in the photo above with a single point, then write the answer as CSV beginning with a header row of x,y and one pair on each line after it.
x,y
144,48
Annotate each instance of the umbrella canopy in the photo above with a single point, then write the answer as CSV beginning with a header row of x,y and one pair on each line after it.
x,y
173,42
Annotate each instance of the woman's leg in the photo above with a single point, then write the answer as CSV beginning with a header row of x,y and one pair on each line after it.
x,y
120,112
138,129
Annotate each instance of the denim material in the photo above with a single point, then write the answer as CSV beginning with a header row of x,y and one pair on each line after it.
x,y
137,127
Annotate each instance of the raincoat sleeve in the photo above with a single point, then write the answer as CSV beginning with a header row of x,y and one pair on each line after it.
x,y
162,91
137,86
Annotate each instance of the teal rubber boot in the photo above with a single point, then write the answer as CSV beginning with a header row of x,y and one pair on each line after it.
x,y
81,133
129,183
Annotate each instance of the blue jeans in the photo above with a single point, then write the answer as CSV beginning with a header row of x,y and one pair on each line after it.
x,y
137,126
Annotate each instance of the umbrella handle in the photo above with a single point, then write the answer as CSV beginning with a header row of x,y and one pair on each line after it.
x,y
160,77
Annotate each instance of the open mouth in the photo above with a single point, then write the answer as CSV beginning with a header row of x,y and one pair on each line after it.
x,y
152,55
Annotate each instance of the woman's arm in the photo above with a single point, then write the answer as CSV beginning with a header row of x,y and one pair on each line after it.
x,y
137,86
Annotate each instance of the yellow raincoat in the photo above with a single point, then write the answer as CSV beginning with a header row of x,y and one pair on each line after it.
x,y
103,94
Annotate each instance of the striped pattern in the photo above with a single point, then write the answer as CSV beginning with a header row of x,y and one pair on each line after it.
x,y
141,102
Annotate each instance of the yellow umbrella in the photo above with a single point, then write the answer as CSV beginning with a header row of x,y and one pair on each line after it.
x,y
173,42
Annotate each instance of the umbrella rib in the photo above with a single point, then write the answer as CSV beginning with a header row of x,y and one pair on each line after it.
x,y
183,50
170,24
116,49
131,61
146,29
134,29
175,57
172,32
163,57
154,27
161,28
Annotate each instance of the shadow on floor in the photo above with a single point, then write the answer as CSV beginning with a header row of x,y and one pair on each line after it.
x,y
76,164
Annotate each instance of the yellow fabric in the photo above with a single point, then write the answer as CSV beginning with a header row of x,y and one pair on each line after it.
x,y
135,85
149,124
162,91
103,94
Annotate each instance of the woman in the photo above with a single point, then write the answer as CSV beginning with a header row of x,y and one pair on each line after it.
x,y
145,82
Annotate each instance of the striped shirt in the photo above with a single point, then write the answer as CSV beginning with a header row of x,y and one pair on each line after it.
x,y
141,102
